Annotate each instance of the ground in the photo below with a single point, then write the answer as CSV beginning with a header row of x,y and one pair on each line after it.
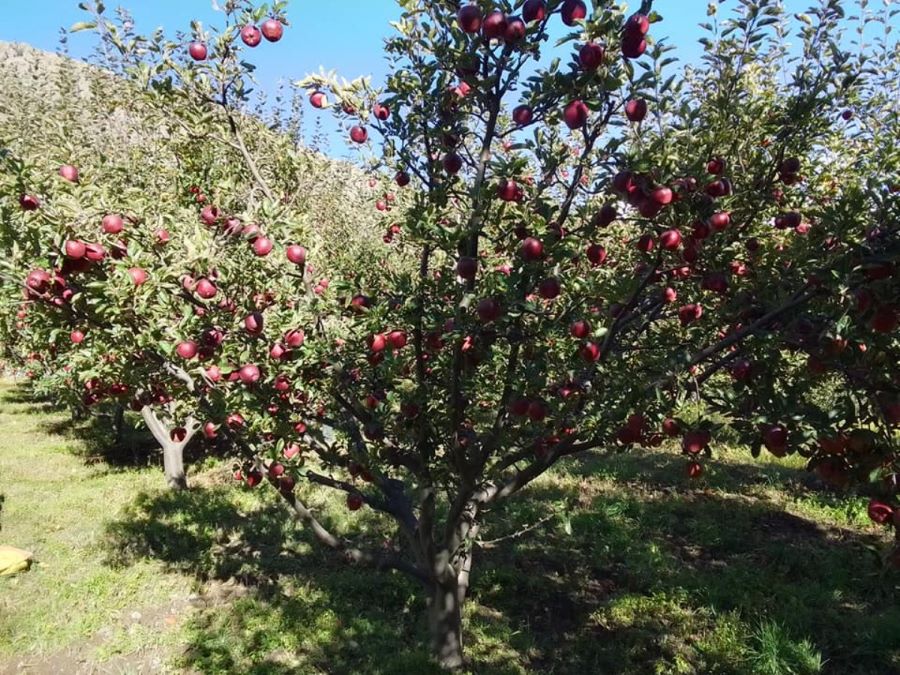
x,y
756,568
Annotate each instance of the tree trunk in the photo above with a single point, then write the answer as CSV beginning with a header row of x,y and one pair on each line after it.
x,y
173,452
119,422
173,465
445,623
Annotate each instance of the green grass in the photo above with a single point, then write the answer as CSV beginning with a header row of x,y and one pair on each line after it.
x,y
753,569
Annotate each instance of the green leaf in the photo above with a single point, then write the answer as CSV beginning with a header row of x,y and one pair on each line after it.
x,y
82,25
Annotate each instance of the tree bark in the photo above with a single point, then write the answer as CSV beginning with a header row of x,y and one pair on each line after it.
x,y
173,465
119,422
173,452
445,623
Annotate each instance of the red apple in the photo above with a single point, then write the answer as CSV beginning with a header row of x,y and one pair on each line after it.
x,y
671,427
662,196
209,215
532,249
549,288
605,216
205,289
580,329
354,501
719,221
467,268
596,254
112,224
294,338
75,249
69,173
508,190
397,339
262,246
637,24
716,166
694,442
317,99
694,469
358,134
515,30
197,51
377,343
77,337
716,282
880,512
689,313
573,11
670,240
251,35
253,323
590,352
452,163
401,178
381,112
494,25
272,30
575,114
537,411
833,445
138,276
885,319
636,110
590,56
775,438
296,254
210,431
645,243
29,202
534,10
469,18
187,349
522,115
633,46
488,310
249,374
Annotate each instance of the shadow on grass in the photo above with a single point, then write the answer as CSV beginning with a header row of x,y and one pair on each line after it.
x,y
651,578
274,601
118,445
715,581
21,394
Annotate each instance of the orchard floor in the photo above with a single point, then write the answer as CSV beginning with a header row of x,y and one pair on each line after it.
x,y
753,569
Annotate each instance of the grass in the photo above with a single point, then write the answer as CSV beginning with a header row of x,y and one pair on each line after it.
x,y
753,569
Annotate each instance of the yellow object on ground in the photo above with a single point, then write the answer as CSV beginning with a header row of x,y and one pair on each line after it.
x,y
13,560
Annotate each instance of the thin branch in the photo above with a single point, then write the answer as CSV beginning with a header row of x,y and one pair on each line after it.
x,y
492,543
352,554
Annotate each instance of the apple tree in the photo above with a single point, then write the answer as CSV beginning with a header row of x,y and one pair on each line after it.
x,y
611,253
590,250
116,247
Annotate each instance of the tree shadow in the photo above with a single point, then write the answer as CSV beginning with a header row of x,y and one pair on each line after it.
x,y
649,577
119,446
21,394
293,604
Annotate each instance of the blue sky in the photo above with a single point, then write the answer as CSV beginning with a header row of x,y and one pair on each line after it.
x,y
344,36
